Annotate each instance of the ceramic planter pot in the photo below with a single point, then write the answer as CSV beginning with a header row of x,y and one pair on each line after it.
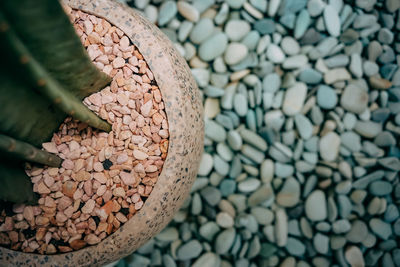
x,y
185,117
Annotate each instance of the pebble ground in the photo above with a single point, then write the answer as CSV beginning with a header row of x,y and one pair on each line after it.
x,y
302,113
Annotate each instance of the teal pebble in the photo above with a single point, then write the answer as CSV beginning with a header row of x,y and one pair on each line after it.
x,y
326,97
310,76
380,188
265,26
227,187
220,165
295,247
190,250
167,11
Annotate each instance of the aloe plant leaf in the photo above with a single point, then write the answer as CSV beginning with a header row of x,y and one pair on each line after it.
x,y
25,114
15,185
49,87
21,150
47,33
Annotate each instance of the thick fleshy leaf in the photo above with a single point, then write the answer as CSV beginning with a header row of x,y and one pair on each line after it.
x,y
15,185
13,148
47,33
26,115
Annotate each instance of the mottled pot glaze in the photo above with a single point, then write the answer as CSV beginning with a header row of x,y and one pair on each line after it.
x,y
185,116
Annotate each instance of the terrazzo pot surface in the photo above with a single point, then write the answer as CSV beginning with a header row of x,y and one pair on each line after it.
x,y
185,117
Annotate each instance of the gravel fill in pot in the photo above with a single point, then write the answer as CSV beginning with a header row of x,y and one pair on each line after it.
x,y
105,178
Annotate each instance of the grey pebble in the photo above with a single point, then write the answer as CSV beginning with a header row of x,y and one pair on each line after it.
x,y
380,228
354,99
326,97
202,76
303,20
196,204
283,170
202,5
236,30
221,166
289,195
295,247
211,195
288,20
225,121
373,256
208,259
265,26
262,194
240,104
332,21
391,213
351,141
213,47
263,216
206,164
337,61
315,7
139,260
343,187
227,187
358,232
341,226
214,131
249,185
385,36
168,235
189,250
251,40
380,188
167,11
168,261
222,14
368,129
321,243
337,242
184,30
310,76
252,153
304,126
224,240
201,30
271,82
236,4
315,206
253,139
345,206
209,230
370,68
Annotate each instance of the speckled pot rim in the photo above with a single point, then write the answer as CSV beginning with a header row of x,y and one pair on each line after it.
x,y
185,116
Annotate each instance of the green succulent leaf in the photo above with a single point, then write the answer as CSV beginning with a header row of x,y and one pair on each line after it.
x,y
47,33
44,75
26,115
15,185
21,150
46,84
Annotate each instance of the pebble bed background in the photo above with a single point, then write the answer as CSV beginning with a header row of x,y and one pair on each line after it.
x,y
302,115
